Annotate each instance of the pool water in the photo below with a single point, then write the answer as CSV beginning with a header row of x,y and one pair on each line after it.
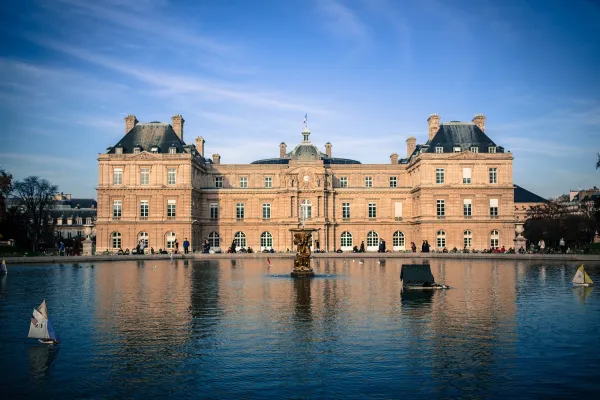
x,y
243,329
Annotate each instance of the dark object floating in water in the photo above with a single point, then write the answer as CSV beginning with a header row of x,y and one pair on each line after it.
x,y
419,276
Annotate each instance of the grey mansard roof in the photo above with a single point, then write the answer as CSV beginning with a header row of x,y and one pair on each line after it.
x,y
463,134
148,135
525,196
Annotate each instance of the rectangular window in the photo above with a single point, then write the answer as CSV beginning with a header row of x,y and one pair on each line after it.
x,y
493,175
456,149
144,176
372,210
171,176
467,176
474,149
345,210
266,211
144,209
268,182
493,207
218,182
172,150
214,211
118,176
118,150
239,210
69,233
492,149
467,208
439,149
398,211
467,241
136,150
441,208
439,175
171,208
344,181
88,221
117,208
393,182
243,182
368,182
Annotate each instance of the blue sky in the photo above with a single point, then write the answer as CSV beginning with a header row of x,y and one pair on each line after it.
x,y
244,73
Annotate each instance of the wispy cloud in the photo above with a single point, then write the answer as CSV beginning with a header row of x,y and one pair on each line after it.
x,y
174,84
342,21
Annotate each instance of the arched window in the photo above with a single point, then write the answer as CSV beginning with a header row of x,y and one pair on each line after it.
x,y
468,238
240,239
398,241
213,239
494,239
441,239
143,236
266,241
116,240
306,209
372,241
170,236
346,241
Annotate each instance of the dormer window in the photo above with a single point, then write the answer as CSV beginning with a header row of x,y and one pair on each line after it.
x,y
137,150
118,150
154,149
172,150
474,149
456,149
439,149
492,149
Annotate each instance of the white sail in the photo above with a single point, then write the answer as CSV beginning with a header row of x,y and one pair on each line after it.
x,y
3,268
579,276
38,328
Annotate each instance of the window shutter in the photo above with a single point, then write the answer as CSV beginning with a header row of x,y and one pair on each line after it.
x,y
171,201
493,202
398,209
466,173
467,201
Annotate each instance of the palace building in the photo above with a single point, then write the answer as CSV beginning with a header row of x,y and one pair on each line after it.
x,y
455,190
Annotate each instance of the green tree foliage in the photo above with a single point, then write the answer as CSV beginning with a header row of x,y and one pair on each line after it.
x,y
32,200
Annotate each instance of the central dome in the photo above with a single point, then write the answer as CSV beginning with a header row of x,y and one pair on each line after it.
x,y
306,152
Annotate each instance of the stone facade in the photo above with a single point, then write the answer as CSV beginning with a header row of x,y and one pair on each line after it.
x,y
450,196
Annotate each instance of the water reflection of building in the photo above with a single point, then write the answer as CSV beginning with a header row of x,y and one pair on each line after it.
x,y
471,322
139,302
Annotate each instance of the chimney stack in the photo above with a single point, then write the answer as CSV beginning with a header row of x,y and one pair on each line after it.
x,y
411,143
282,150
328,149
200,145
216,159
394,158
434,125
130,122
177,124
479,120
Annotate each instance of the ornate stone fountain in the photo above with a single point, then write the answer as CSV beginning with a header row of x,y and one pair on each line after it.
x,y
302,239
87,243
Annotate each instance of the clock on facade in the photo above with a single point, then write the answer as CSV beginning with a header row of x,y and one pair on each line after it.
x,y
306,178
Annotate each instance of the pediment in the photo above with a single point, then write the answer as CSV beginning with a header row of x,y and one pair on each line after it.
x,y
464,155
305,177
145,155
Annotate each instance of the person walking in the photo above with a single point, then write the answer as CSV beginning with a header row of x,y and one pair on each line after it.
x,y
362,247
186,245
233,246
413,247
176,246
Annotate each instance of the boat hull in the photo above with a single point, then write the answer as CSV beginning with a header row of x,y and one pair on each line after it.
x,y
436,287
583,284
47,341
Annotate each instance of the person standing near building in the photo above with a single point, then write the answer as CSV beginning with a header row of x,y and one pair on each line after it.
x,y
362,247
542,245
186,245
176,246
413,247
563,247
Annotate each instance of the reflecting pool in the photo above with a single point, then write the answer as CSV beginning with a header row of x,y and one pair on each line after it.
x,y
241,329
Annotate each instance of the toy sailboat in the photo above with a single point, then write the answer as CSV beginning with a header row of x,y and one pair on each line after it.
x,y
582,278
41,327
3,269
419,276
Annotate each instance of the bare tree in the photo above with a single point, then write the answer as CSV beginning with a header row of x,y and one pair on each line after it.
x,y
5,187
598,161
34,196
